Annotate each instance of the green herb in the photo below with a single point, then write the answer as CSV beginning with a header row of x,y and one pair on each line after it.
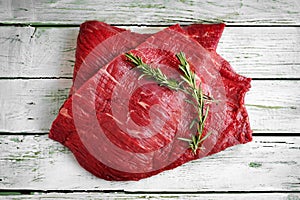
x,y
189,77
154,73
200,100
255,164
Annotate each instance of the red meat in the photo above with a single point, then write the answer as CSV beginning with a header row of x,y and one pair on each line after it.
x,y
111,41
123,128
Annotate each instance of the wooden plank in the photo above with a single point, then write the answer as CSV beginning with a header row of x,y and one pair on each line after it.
x,y
150,12
257,52
262,52
42,52
31,105
266,164
143,196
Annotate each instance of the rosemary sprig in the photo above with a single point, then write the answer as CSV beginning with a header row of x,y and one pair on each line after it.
x,y
189,77
154,73
201,100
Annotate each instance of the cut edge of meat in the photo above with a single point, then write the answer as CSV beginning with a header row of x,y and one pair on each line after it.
x,y
208,35
91,33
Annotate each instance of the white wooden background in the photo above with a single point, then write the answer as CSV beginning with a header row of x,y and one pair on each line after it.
x,y
37,45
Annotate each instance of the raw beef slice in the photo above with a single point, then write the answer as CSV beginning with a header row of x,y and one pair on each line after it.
x,y
123,128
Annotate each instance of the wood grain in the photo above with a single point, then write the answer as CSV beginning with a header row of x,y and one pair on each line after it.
x,y
267,163
150,12
143,196
257,52
36,63
31,105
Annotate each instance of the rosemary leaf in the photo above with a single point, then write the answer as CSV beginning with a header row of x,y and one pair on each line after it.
x,y
185,139
205,137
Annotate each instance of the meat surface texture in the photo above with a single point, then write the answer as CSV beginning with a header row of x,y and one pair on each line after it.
x,y
123,127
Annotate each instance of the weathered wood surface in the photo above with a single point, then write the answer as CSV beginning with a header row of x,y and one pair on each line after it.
x,y
257,52
31,105
266,164
254,43
107,196
150,12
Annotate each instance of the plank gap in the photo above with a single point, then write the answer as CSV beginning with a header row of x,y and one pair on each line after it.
x,y
276,79
31,192
34,78
38,25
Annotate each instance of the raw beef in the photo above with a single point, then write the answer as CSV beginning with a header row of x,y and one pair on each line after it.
x,y
106,42
123,128
97,44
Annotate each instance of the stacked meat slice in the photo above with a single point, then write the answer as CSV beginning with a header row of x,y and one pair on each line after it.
x,y
121,127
